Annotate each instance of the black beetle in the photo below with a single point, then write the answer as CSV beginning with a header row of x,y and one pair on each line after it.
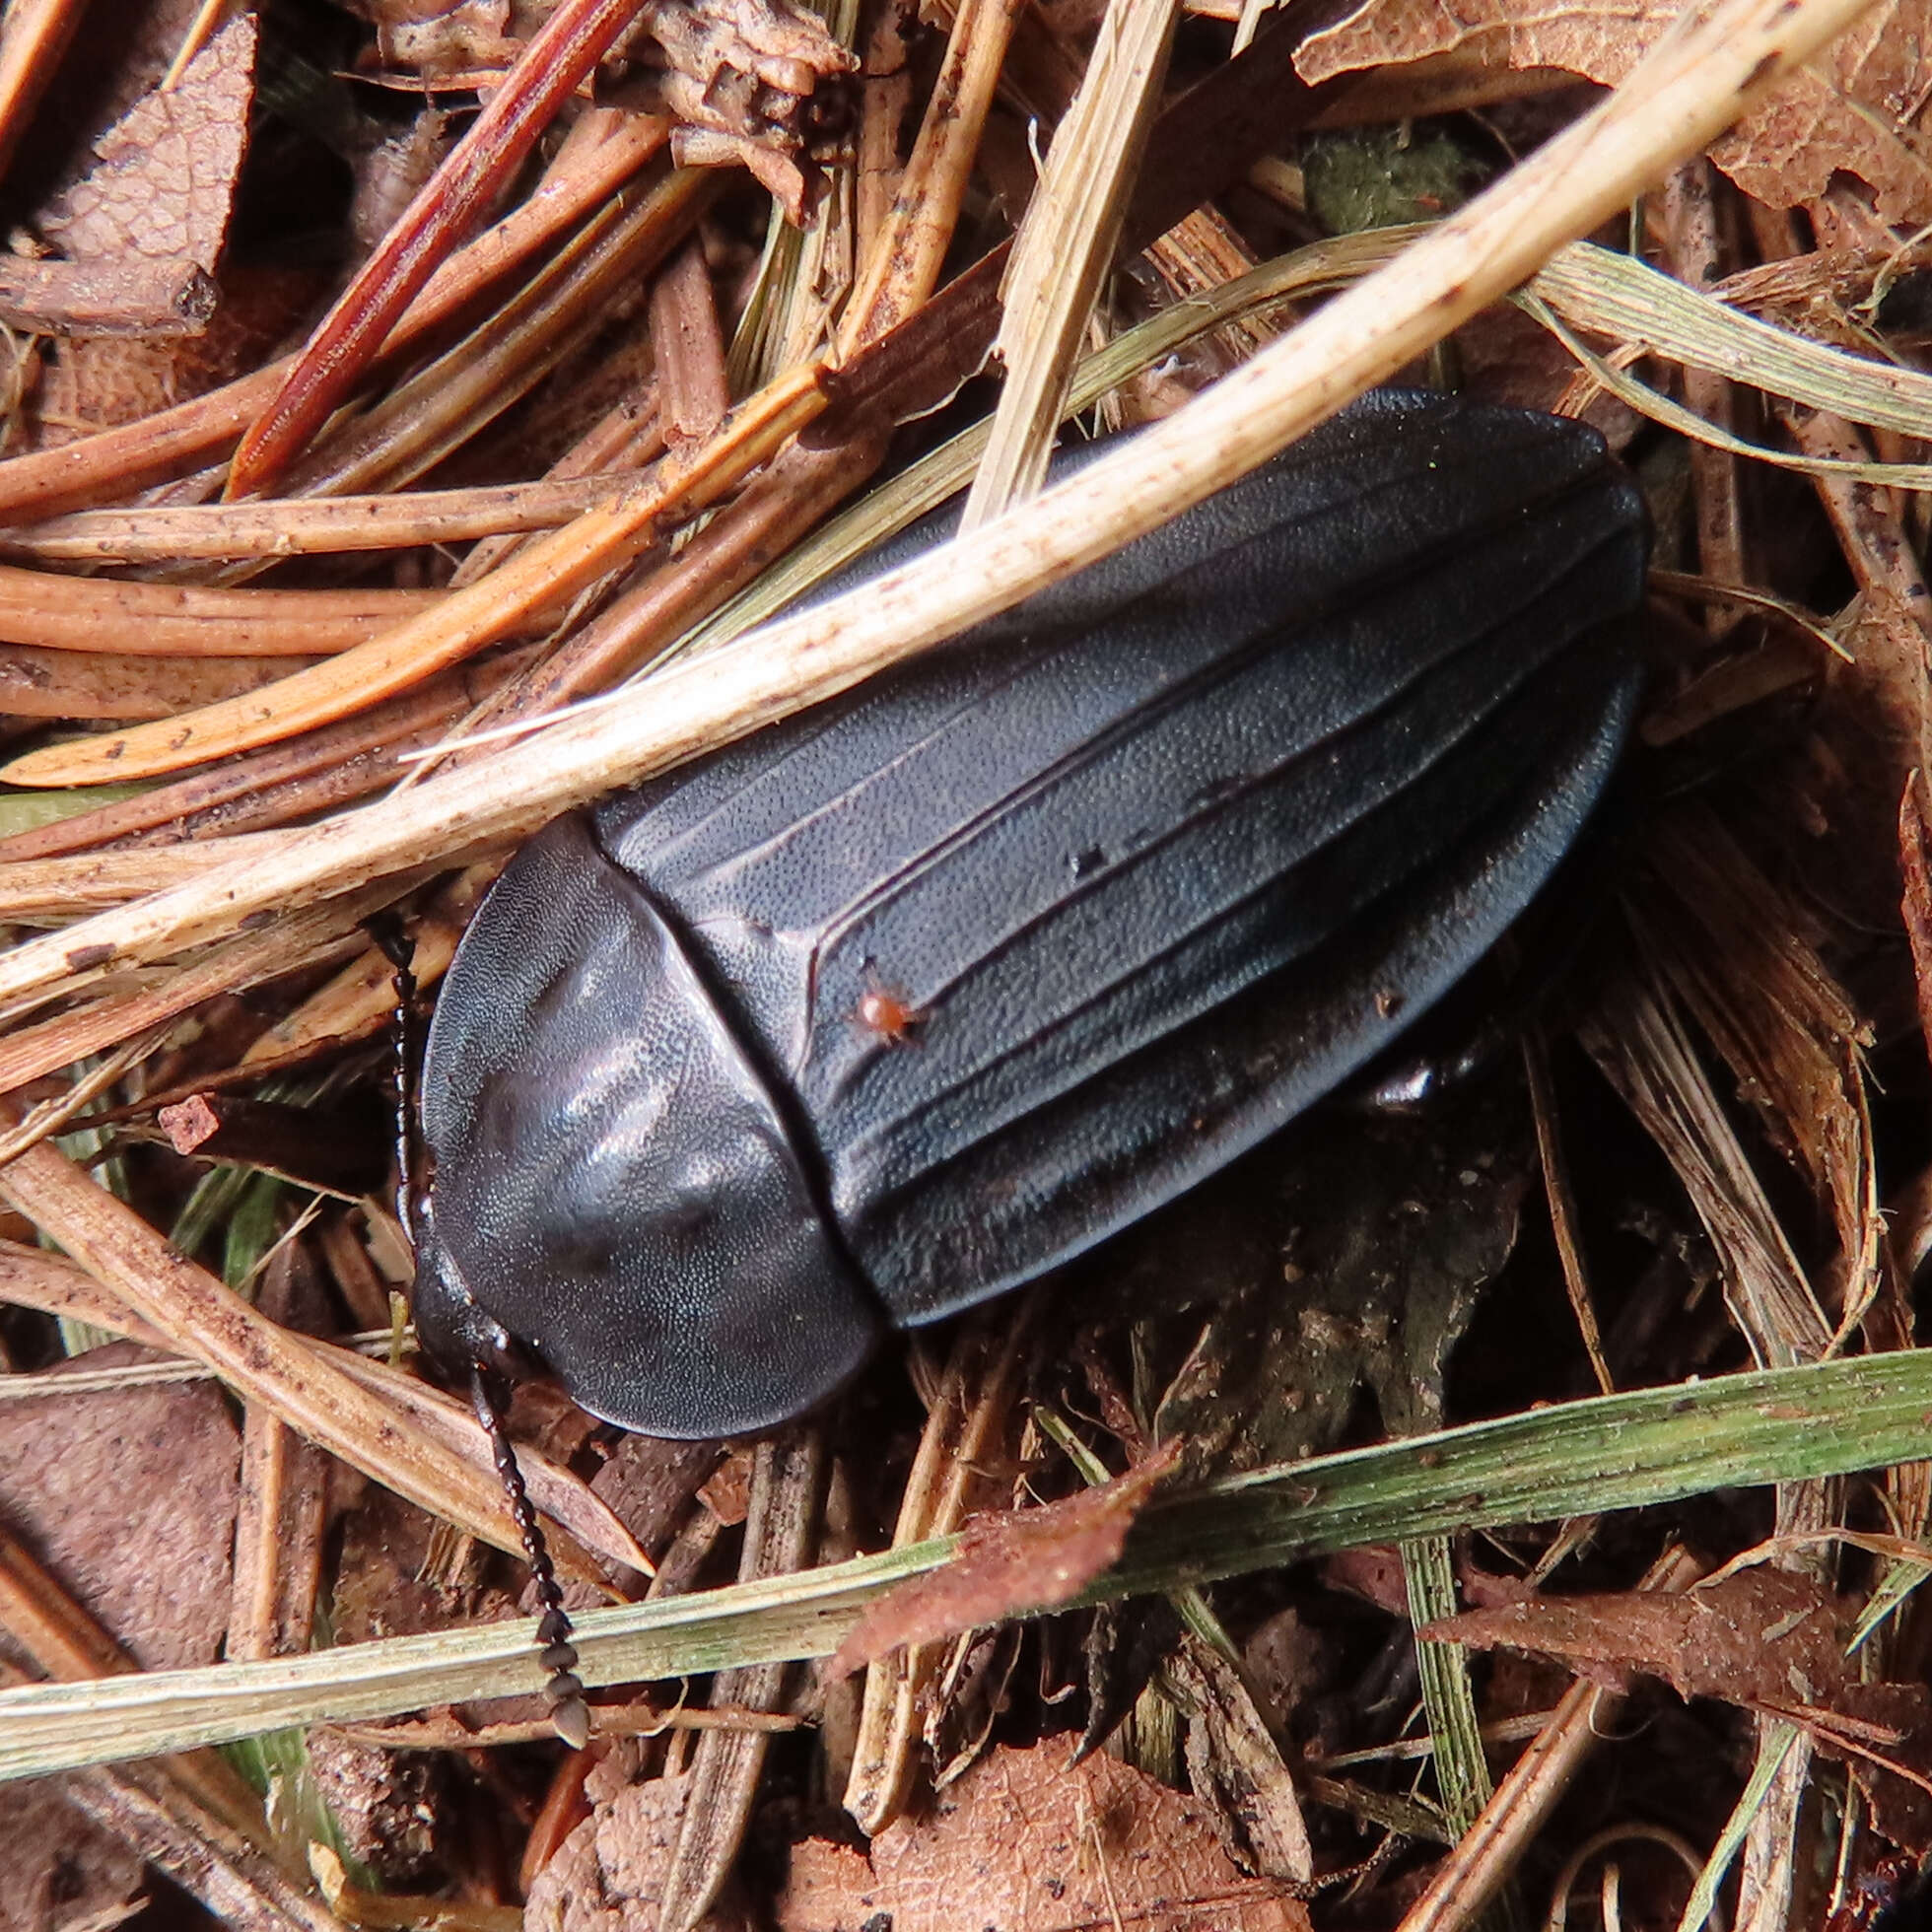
x,y
904,1001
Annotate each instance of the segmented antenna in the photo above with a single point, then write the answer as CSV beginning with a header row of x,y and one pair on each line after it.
x,y
565,1688
393,942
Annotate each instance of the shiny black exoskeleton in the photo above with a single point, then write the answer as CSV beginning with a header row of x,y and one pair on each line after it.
x,y
907,1001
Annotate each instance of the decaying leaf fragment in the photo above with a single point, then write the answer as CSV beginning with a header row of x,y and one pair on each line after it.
x,y
1362,1269
438,36
128,1495
744,80
741,78
1029,1561
1030,1841
1853,107
608,1875
1770,1641
140,234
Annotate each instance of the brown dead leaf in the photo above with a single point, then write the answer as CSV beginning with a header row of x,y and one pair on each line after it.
x,y
165,172
609,1873
1030,1841
128,1496
1031,1560
97,383
58,1869
1767,1640
141,233
1850,109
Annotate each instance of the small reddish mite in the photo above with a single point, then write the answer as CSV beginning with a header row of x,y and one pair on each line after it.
x,y
892,1016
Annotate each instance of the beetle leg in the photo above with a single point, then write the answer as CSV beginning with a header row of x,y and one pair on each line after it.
x,y
564,1692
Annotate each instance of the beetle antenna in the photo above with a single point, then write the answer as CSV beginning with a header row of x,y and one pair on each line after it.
x,y
565,1690
393,940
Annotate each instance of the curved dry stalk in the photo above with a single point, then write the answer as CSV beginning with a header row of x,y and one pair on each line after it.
x,y
1686,89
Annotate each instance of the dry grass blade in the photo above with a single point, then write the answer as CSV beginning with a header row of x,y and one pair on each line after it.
x,y
1646,401
50,1116
1640,306
1641,1044
1733,950
49,891
980,1384
1604,1453
1066,245
1684,91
